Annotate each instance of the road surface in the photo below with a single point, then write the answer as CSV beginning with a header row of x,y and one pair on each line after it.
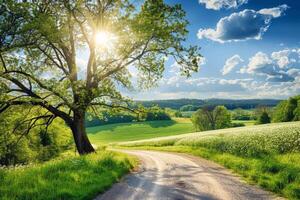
x,y
171,176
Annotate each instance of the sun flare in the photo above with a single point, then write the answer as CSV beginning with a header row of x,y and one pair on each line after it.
x,y
105,39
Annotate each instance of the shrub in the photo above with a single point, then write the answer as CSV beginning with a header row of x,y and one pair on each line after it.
x,y
233,125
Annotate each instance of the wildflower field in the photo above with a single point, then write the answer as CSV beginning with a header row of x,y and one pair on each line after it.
x,y
267,155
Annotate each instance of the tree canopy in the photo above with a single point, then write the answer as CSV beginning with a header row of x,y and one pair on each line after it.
x,y
40,42
211,118
287,110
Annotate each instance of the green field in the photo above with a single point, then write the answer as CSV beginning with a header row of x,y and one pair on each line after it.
x,y
70,178
139,130
123,132
267,155
187,113
246,122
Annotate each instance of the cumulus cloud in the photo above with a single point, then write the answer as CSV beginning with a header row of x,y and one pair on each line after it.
x,y
177,84
269,75
279,66
207,87
244,25
259,63
218,4
231,63
283,57
274,12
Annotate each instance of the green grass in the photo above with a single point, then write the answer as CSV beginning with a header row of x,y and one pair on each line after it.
x,y
139,130
187,113
267,155
246,122
123,132
72,178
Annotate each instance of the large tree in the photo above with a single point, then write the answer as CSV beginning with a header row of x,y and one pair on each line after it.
x,y
42,42
210,118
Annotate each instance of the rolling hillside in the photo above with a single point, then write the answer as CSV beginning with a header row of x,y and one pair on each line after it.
x,y
138,130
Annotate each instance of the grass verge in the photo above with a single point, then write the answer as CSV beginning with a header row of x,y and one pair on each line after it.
x,y
75,178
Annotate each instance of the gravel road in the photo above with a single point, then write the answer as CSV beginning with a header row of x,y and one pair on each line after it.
x,y
171,176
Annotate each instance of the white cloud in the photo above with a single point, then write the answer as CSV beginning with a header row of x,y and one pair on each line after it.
x,y
280,66
274,12
220,88
231,63
244,25
218,4
258,62
282,57
266,75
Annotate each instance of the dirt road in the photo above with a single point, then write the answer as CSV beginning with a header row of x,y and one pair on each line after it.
x,y
168,176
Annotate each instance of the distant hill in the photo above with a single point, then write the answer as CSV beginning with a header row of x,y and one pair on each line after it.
x,y
228,103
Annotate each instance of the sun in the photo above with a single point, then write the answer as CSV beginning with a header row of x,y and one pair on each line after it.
x,y
105,39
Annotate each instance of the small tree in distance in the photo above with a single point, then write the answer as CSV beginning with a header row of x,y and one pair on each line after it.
x,y
264,118
40,42
209,118
263,114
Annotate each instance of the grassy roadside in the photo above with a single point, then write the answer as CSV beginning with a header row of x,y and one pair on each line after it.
x,y
266,155
72,178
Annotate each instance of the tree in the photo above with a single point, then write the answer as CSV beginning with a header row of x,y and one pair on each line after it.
x,y
222,117
156,113
178,114
172,112
264,118
297,111
241,114
279,114
263,114
209,118
188,108
40,42
287,110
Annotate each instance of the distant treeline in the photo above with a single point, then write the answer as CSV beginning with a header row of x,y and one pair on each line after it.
x,y
195,104
152,114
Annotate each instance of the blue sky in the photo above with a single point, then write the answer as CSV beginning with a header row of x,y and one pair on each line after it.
x,y
250,48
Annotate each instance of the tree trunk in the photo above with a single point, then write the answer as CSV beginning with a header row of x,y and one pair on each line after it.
x,y
82,142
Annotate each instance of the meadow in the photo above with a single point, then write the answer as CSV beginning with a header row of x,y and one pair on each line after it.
x,y
246,122
72,177
123,132
267,155
111,133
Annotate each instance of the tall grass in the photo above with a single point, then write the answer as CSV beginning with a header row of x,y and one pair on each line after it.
x,y
255,142
73,178
246,141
